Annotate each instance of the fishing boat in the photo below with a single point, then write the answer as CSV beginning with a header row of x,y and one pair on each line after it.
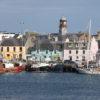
x,y
37,67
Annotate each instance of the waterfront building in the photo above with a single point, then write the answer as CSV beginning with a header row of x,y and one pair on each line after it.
x,y
13,49
76,48
44,50
44,55
76,51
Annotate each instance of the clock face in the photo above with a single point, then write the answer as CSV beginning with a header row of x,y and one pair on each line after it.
x,y
64,23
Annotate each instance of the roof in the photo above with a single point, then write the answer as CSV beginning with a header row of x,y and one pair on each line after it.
x,y
44,44
12,42
54,34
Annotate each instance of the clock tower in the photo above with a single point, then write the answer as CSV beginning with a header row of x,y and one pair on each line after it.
x,y
63,26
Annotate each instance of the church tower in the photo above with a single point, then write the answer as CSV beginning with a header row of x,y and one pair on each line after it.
x,y
63,26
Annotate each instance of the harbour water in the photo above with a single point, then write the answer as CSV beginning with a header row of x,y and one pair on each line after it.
x,y
49,86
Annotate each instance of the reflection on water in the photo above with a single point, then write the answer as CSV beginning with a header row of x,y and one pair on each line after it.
x,y
49,86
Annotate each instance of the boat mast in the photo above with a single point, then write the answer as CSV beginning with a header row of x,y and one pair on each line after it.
x,y
89,43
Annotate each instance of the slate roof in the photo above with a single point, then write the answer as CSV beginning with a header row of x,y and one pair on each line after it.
x,y
44,44
12,42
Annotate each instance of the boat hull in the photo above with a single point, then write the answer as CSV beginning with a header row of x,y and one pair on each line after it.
x,y
88,71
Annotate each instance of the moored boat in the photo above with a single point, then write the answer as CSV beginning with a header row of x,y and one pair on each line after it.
x,y
8,67
88,70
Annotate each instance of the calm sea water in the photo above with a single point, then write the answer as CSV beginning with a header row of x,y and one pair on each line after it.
x,y
49,86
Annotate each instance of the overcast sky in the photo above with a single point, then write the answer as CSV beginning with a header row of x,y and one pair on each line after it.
x,y
43,15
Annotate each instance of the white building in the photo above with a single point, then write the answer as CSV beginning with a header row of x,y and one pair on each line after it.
x,y
79,51
74,52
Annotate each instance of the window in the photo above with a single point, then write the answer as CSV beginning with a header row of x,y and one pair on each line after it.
x,y
70,57
83,58
14,56
46,51
55,51
76,51
14,49
1,49
83,51
84,44
69,51
76,44
7,49
77,57
44,56
37,51
20,49
20,56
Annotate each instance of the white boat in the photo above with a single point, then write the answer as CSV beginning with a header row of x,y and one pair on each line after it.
x,y
89,70
8,65
37,65
43,64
